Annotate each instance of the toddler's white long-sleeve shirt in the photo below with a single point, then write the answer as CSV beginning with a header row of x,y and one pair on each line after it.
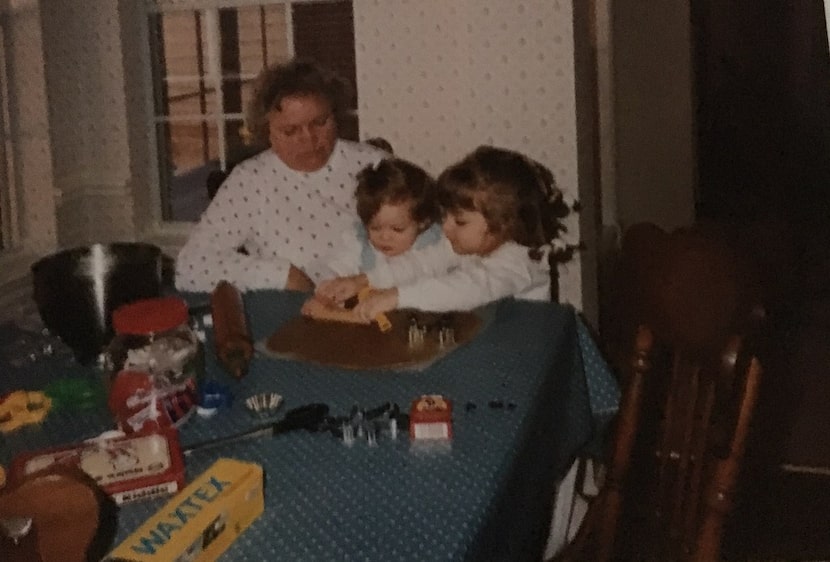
x,y
356,254
437,279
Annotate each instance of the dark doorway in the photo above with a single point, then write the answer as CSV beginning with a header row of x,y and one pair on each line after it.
x,y
763,115
763,91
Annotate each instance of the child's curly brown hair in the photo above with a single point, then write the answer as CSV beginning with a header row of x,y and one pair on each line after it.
x,y
516,195
394,180
518,198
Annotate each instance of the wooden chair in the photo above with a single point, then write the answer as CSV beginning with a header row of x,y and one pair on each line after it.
x,y
687,315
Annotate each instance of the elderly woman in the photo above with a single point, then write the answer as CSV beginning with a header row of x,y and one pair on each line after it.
x,y
288,205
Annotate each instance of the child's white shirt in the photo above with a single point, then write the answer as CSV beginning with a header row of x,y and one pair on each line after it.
x,y
437,279
355,254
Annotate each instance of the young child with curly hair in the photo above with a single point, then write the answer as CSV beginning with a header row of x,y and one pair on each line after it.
x,y
502,227
395,200
398,210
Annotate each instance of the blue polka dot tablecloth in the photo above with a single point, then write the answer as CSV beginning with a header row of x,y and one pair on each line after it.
x,y
530,392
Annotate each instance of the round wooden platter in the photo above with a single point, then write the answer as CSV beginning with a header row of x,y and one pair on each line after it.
x,y
364,346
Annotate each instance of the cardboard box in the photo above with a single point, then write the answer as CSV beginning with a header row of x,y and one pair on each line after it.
x,y
201,521
430,417
129,468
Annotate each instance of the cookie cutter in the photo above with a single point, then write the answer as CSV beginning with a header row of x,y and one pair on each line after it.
x,y
264,404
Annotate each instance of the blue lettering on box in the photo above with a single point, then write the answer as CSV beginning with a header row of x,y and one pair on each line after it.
x,y
219,484
204,495
181,515
159,536
189,503
167,529
149,544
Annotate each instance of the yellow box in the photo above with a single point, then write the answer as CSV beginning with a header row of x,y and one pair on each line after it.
x,y
201,521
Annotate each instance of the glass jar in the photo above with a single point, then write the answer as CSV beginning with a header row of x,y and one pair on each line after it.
x,y
154,340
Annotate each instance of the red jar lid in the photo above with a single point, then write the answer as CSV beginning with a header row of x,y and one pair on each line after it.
x,y
150,315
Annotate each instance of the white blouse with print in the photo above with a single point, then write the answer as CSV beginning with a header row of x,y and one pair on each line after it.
x,y
280,216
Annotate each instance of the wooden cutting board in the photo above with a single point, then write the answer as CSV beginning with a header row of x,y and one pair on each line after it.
x,y
359,346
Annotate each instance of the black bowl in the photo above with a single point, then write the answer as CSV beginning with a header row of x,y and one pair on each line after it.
x,y
76,290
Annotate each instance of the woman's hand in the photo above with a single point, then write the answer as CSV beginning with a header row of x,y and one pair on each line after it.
x,y
342,288
376,303
298,281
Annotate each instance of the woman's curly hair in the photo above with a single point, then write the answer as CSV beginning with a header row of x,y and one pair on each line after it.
x,y
292,78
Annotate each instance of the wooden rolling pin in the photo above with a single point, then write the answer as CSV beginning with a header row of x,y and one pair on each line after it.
x,y
231,336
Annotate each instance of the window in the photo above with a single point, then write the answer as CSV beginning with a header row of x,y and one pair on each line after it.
x,y
204,61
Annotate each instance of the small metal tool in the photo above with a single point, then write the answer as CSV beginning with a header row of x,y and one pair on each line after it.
x,y
309,417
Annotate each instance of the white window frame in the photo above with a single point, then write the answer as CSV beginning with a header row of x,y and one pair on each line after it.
x,y
209,12
170,234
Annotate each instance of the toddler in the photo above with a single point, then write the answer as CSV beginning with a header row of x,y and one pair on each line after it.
x,y
396,203
502,222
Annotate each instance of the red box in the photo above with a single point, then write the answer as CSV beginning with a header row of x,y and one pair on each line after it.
x,y
133,467
430,417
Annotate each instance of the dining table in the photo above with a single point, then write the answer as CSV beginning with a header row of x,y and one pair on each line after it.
x,y
530,393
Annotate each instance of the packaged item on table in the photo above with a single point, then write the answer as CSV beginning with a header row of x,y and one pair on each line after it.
x,y
141,402
430,417
23,407
153,337
127,468
201,521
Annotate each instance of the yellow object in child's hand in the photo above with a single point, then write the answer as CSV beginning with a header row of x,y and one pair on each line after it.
x,y
383,321
23,407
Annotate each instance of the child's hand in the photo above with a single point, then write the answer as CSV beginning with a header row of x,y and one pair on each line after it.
x,y
321,308
342,288
315,307
376,303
